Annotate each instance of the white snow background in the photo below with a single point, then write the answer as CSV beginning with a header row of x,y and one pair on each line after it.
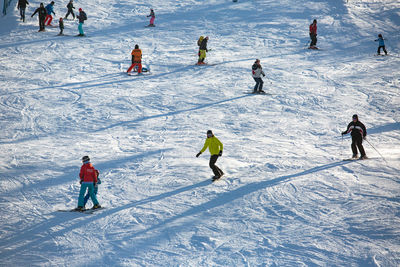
x,y
288,198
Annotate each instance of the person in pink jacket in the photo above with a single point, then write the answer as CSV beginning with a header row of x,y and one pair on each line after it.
x,y
152,18
313,33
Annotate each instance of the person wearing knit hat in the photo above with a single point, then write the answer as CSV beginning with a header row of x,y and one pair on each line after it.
x,y
358,133
88,180
82,17
215,147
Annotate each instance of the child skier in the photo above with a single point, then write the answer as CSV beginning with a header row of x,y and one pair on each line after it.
x,y
61,26
42,16
215,147
256,73
153,17
202,43
22,6
381,44
313,34
49,17
82,17
136,59
88,181
70,6
358,133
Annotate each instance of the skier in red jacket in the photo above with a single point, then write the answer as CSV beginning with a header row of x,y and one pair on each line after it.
x,y
88,180
313,34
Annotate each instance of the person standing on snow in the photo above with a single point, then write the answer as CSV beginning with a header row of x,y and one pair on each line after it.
x,y
22,6
70,6
381,44
153,17
202,50
61,26
88,181
313,34
136,59
96,188
358,133
42,13
49,17
215,147
256,73
82,17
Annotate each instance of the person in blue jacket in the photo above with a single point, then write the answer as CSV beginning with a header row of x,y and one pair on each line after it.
x,y
381,44
49,17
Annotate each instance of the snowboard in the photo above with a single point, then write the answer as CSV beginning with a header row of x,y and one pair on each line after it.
x,y
86,211
216,179
354,159
257,93
149,26
313,47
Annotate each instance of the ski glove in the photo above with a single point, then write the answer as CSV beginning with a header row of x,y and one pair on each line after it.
x,y
80,182
220,153
198,154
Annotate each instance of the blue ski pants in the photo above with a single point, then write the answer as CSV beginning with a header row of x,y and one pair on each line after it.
x,y
89,186
80,28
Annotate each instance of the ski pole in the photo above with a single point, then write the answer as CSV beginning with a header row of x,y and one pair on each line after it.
x,y
376,150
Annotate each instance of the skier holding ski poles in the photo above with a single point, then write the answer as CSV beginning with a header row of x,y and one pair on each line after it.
x,y
88,180
215,147
358,133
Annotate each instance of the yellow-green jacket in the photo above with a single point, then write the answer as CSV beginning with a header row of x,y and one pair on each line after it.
x,y
213,144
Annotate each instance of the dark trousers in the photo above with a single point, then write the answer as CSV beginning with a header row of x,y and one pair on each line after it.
x,y
384,49
217,171
259,84
41,23
22,13
313,38
357,143
70,12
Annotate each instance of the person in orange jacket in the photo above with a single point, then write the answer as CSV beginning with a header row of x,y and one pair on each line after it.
x,y
88,180
136,59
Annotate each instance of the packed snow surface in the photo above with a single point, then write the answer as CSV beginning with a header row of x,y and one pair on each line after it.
x,y
287,198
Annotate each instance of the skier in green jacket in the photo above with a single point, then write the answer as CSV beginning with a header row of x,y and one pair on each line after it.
x,y
215,147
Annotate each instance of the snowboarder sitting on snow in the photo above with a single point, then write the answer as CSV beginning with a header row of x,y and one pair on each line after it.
x,y
42,16
82,17
202,43
61,26
22,6
381,44
358,133
313,34
256,73
70,6
136,59
215,147
88,181
153,17
49,17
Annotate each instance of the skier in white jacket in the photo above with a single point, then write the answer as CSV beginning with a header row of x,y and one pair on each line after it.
x,y
256,73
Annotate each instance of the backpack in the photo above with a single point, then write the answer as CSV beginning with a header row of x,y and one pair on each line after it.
x,y
84,15
200,40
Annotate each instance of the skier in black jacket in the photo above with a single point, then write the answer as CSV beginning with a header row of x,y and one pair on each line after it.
x,y
358,133
22,6
70,6
42,16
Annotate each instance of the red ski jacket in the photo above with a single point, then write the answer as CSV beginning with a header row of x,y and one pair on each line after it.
x,y
88,173
313,28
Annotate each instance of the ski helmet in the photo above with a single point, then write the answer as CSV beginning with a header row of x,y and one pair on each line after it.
x,y
355,116
85,159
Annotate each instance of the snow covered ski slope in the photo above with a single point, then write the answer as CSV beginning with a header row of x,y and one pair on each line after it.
x,y
287,197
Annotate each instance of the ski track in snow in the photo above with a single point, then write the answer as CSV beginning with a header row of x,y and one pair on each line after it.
x,y
287,199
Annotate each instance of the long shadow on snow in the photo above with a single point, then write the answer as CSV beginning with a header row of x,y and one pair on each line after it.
x,y
201,106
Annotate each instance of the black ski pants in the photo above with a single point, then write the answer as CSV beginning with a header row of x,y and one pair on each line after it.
x,y
313,38
357,143
70,11
217,171
41,23
22,13
384,49
259,84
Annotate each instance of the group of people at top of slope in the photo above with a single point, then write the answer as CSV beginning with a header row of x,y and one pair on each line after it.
x,y
45,15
